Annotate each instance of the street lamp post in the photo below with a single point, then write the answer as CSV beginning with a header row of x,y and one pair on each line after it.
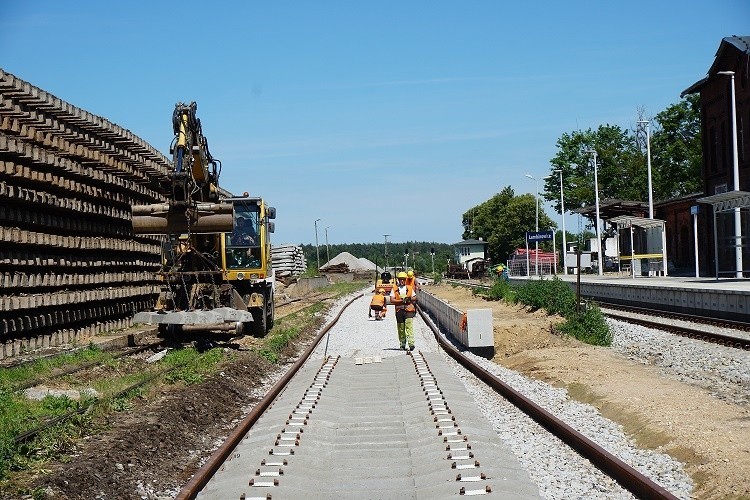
x,y
648,162
736,174
328,254
385,248
562,213
536,242
596,197
317,249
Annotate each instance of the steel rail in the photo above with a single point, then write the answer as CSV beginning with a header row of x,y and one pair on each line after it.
x,y
682,331
217,459
715,338
628,477
721,322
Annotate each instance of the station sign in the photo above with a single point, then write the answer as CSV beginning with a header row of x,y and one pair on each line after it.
x,y
534,236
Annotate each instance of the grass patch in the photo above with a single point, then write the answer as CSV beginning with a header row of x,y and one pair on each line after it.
x,y
20,375
555,297
191,366
114,377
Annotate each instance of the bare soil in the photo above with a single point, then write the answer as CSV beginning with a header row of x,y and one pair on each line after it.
x,y
151,450
711,437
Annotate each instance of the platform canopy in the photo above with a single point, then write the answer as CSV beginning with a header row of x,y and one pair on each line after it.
x,y
726,202
629,222
722,203
613,207
642,222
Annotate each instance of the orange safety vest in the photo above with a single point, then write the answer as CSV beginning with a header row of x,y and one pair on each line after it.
x,y
410,307
378,300
412,282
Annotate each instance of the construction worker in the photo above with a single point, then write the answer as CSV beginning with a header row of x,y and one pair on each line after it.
x,y
411,279
377,304
404,298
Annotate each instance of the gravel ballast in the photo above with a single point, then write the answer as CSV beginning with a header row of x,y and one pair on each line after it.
x,y
559,471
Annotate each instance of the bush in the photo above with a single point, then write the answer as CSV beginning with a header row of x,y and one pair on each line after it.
x,y
554,296
501,290
590,327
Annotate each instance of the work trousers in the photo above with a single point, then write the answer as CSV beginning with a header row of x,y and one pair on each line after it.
x,y
405,327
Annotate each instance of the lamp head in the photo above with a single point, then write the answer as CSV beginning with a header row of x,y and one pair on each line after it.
x,y
727,73
530,177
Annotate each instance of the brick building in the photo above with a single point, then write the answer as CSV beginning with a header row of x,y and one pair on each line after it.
x,y
717,170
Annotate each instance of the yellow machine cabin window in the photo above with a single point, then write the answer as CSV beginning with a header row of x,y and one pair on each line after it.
x,y
243,244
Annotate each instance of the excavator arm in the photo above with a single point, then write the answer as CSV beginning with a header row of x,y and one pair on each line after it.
x,y
192,191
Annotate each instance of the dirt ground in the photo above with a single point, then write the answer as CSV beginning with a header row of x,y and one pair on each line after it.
x,y
711,437
153,449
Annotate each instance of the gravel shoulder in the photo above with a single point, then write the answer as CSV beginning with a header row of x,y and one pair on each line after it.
x,y
665,407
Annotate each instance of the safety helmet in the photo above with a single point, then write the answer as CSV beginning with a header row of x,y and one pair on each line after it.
x,y
380,290
401,275
410,273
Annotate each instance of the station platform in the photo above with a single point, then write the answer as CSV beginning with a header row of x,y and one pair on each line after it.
x,y
724,298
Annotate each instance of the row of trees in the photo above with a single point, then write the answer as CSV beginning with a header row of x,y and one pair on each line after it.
x,y
419,253
676,157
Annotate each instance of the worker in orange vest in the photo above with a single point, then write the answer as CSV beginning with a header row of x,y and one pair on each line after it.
x,y
411,279
403,296
377,304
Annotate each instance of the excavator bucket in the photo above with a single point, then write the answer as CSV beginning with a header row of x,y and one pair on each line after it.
x,y
199,218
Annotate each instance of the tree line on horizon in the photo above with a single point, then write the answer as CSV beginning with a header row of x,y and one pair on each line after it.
x,y
419,254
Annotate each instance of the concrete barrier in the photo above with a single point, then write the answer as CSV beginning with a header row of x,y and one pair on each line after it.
x,y
475,331
307,285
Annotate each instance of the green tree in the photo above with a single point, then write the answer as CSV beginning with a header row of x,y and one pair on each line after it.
x,y
502,221
676,152
618,159
622,160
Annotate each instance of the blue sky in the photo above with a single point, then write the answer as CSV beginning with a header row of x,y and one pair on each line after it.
x,y
375,117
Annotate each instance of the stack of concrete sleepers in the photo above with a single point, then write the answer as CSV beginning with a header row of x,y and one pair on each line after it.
x,y
70,266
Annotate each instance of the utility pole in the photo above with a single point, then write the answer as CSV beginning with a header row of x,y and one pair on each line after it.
x,y
328,254
386,251
317,249
598,230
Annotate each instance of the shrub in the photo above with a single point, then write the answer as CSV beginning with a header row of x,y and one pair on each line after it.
x,y
589,327
554,296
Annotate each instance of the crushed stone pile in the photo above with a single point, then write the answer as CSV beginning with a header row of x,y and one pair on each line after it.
x,y
346,262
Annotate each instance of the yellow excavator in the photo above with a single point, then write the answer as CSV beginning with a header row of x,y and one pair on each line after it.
x,y
216,268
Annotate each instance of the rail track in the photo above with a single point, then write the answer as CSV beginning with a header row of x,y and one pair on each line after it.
x,y
322,403
635,315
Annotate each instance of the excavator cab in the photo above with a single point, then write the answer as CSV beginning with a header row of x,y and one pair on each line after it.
x,y
243,245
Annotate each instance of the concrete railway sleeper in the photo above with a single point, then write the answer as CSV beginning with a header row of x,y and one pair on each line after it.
x,y
370,427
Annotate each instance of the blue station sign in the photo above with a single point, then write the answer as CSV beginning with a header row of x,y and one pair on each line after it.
x,y
534,236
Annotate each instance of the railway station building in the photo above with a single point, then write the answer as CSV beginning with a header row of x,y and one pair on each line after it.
x,y
706,219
